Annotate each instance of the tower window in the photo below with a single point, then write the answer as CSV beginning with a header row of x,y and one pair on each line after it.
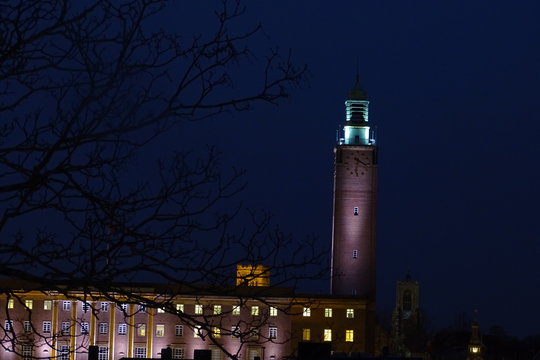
x,y
355,254
356,211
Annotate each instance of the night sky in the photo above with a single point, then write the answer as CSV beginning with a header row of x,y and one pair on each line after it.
x,y
454,89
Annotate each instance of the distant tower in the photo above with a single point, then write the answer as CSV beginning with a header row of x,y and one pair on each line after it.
x,y
355,190
476,348
407,335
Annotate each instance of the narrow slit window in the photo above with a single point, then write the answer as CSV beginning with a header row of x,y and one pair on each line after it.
x,y
356,211
355,254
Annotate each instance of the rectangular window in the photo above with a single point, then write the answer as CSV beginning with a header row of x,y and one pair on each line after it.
x,y
272,332
140,352
46,326
141,308
217,309
27,327
255,310
11,304
65,327
177,353
197,332
355,254
122,329
141,329
236,310
235,331
160,310
198,309
84,328
306,334
104,306
64,352
29,304
66,305
180,308
349,335
328,312
26,352
103,328
350,313
85,307
273,311
217,333
306,312
8,325
179,330
47,305
327,335
254,333
124,307
103,353
160,330
355,211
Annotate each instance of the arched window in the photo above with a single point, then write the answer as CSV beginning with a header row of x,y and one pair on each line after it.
x,y
407,300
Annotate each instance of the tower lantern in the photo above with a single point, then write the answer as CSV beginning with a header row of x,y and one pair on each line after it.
x,y
357,130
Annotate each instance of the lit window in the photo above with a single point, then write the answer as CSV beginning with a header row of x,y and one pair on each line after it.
x,y
355,211
10,304
26,352
66,305
64,352
8,325
355,254
197,332
217,332
141,329
46,326
160,310
179,330
273,311
180,308
306,334
27,326
349,335
65,327
217,309
140,352
236,310
272,332
103,328
104,306
198,309
327,335
255,310
84,328
350,313
235,331
29,304
177,353
103,353
306,312
328,312
160,330
47,305
86,307
122,329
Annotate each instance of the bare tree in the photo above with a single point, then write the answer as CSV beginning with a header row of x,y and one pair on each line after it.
x,y
83,89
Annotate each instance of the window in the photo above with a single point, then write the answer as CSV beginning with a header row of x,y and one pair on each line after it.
x,y
349,335
103,328
255,310
141,329
122,329
355,254
47,305
141,308
66,305
236,310
180,308
254,333
198,309
64,352
160,310
11,304
84,328
27,326
104,306
177,353
140,352
217,309
273,311
328,312
179,330
235,331
103,353
350,313
327,335
26,352
46,326
65,327
160,330
306,334
217,333
355,211
29,304
85,307
197,332
8,325
124,307
306,312
272,332
407,300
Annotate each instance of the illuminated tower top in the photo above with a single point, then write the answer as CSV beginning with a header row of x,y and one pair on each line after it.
x,y
356,130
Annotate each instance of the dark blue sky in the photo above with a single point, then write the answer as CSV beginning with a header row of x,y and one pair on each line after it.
x,y
454,89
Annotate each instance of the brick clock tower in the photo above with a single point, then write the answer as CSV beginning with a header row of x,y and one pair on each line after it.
x,y
355,202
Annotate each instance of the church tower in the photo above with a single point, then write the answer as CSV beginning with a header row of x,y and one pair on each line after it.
x,y
355,200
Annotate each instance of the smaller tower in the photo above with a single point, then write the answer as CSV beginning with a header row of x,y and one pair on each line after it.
x,y
475,348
